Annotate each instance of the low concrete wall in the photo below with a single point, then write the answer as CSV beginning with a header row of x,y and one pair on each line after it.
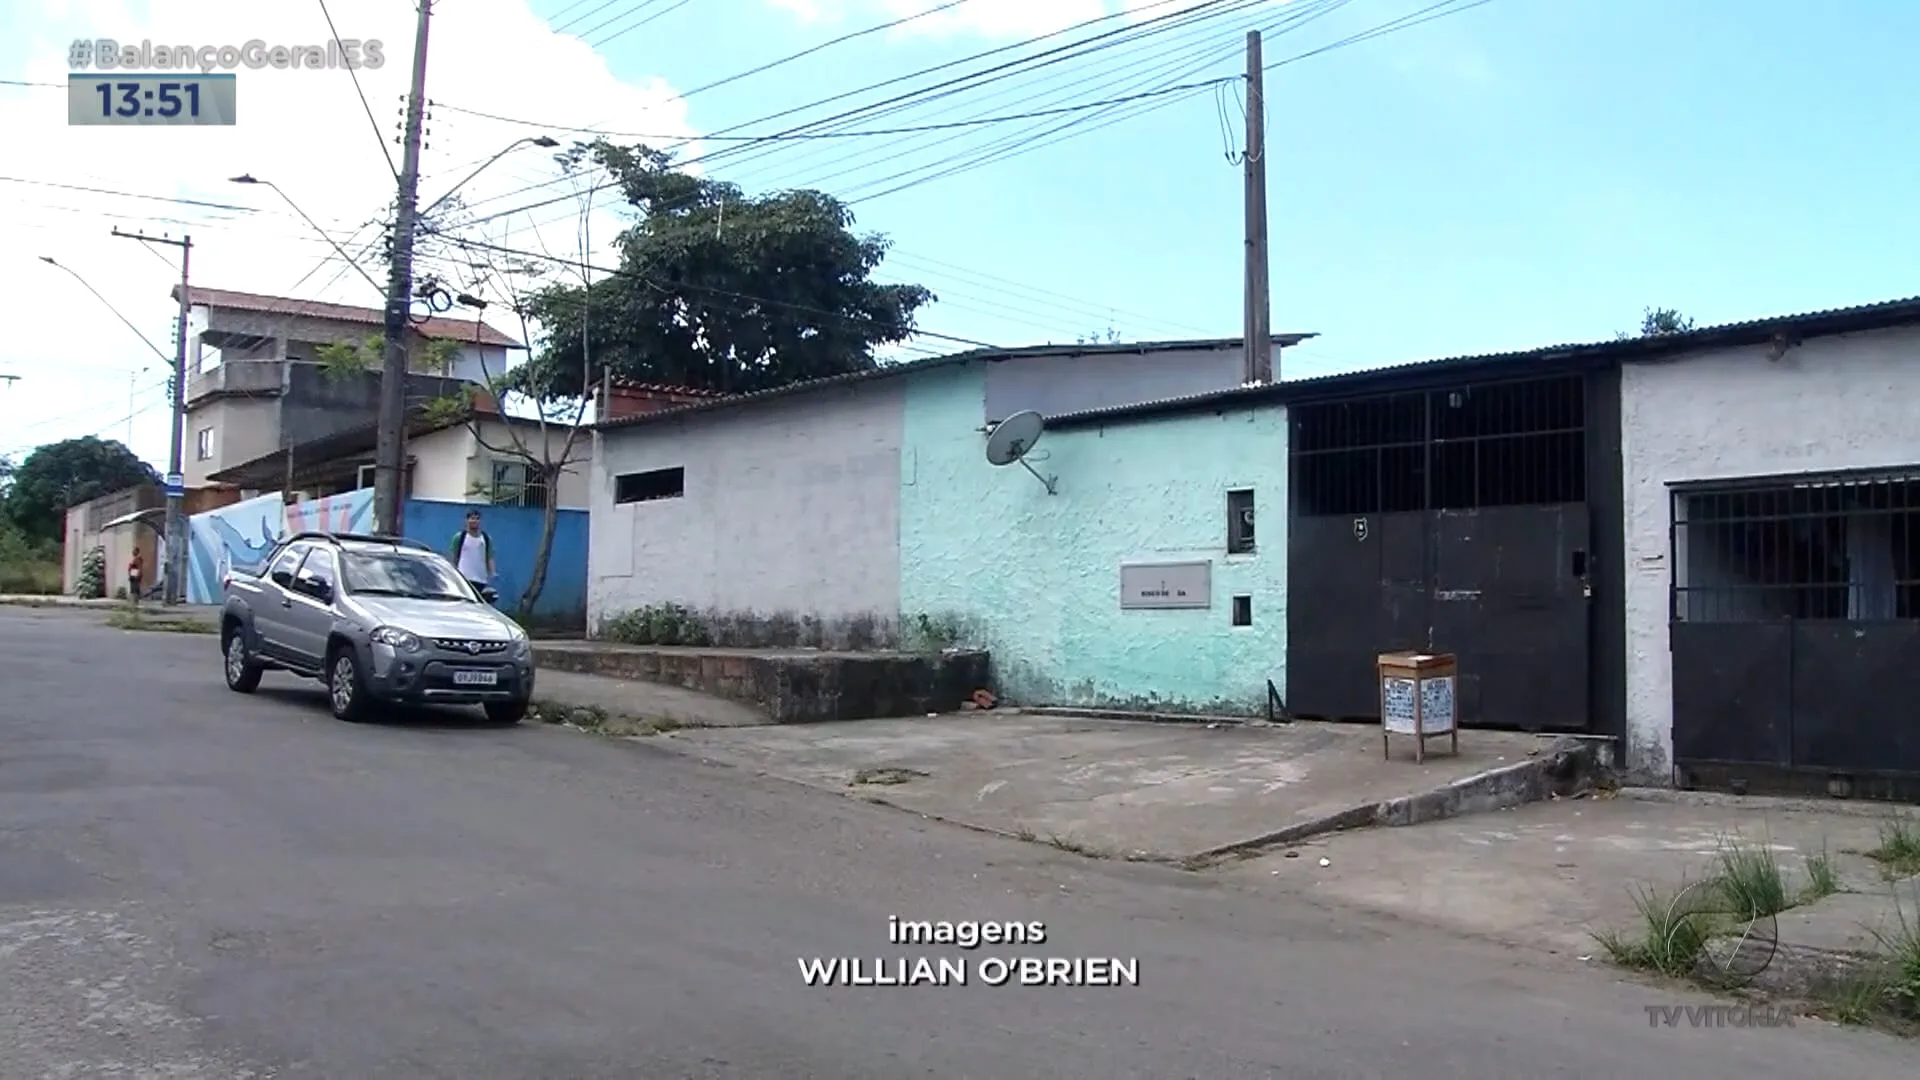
x,y
790,687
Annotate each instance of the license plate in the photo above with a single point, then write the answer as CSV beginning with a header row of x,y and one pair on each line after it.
x,y
474,678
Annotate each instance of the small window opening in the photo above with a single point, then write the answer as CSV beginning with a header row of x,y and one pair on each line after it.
x,y
649,486
1243,611
1240,522
518,483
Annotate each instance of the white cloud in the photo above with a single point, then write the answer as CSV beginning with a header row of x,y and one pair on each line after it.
x,y
304,130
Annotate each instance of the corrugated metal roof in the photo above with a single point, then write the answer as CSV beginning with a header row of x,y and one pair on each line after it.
x,y
1663,346
889,371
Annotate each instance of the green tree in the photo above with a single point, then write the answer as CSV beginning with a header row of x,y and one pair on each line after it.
x,y
718,289
550,443
63,474
1655,322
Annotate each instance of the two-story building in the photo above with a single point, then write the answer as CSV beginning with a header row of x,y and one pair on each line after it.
x,y
256,384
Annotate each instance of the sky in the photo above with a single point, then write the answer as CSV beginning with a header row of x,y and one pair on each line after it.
x,y
1514,174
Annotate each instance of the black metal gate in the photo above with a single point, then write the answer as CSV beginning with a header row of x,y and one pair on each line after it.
x,y
1451,520
1795,622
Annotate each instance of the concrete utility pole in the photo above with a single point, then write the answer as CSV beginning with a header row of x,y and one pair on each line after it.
x,y
1259,328
390,449
176,482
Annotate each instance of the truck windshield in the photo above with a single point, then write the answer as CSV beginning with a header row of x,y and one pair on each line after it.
x,y
397,573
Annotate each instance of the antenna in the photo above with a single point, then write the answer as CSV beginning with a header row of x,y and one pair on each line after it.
x,y
1012,440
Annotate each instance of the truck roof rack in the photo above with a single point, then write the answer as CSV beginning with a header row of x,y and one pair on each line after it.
x,y
358,538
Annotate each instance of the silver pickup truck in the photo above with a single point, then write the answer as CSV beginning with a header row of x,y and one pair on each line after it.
x,y
377,619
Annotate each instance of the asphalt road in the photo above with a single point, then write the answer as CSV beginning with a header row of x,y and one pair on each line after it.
x,y
199,884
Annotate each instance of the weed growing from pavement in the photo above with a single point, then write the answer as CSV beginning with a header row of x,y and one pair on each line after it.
x,y
1822,879
1899,850
1885,991
1669,940
1751,882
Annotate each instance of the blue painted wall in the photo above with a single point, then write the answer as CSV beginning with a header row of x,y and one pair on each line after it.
x,y
1036,577
516,540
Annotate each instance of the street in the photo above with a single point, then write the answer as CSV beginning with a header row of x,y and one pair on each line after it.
x,y
194,883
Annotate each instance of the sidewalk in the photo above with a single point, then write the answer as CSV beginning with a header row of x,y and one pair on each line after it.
x,y
1553,875
1127,788
564,692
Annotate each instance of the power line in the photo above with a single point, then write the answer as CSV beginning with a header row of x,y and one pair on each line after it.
x,y
1186,20
130,194
825,45
1141,103
863,133
1172,65
583,16
1017,145
637,8
1203,5
378,135
669,290
1167,29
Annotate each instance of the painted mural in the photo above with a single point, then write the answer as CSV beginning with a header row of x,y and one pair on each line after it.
x,y
240,536
348,512
237,536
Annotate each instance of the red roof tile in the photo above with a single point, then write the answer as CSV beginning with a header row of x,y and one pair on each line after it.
x,y
437,327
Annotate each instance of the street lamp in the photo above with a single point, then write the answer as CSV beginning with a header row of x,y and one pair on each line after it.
x,y
249,178
144,340
534,140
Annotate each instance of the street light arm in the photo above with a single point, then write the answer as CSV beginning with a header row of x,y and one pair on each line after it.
x,y
248,178
533,140
144,340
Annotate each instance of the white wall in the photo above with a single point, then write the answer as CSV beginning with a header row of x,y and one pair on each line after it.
x,y
1846,402
480,364
791,506
442,461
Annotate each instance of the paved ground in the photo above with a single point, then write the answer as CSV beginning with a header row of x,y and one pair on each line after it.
x,y
1117,786
1551,873
642,700
195,884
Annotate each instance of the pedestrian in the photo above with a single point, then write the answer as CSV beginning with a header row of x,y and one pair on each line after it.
x,y
472,553
133,576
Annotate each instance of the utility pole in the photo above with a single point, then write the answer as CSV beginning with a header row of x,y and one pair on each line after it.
x,y
176,482
390,449
1259,328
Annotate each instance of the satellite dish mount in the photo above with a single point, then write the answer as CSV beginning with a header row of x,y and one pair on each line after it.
x,y
1011,442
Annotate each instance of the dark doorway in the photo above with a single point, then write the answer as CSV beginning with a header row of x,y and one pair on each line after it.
x,y
1795,618
1450,520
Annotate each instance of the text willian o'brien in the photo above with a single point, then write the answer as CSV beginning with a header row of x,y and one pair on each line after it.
x,y
969,967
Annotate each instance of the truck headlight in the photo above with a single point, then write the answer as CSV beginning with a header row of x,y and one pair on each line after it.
x,y
395,638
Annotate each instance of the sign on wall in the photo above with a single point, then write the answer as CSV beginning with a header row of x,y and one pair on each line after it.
x,y
1166,585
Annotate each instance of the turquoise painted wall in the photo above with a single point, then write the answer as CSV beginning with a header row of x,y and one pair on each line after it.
x,y
1036,578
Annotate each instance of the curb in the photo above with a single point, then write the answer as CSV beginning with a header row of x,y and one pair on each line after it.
x,y
1562,771
1071,713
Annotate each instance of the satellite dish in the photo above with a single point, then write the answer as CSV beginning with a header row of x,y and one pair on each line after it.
x,y
1013,437
1012,440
